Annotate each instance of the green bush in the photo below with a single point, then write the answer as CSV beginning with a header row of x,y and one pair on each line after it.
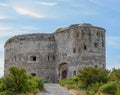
x,y
118,88
114,75
109,88
6,93
95,81
40,83
70,83
18,82
93,88
92,75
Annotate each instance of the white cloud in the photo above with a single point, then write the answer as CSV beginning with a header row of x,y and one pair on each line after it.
x,y
46,3
4,4
23,11
6,31
4,17
3,28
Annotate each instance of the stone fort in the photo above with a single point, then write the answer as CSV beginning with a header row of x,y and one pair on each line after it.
x,y
58,55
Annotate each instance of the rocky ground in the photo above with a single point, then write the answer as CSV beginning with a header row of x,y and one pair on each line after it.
x,y
55,89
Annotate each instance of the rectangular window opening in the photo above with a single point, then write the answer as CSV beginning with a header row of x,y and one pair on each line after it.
x,y
53,57
48,57
85,47
74,50
96,45
34,58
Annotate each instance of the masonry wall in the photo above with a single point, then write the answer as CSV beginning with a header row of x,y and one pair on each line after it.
x,y
49,55
80,46
34,52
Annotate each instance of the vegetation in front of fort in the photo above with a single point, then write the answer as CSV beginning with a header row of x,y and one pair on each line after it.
x,y
17,82
94,81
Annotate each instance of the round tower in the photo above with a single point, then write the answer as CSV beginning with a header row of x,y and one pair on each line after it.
x,y
79,46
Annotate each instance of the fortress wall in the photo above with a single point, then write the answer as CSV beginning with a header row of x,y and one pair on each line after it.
x,y
34,54
49,55
76,46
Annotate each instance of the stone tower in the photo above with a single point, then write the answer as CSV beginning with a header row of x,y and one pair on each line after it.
x,y
58,55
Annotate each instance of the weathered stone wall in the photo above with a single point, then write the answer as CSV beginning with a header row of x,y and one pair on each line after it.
x,y
58,55
80,46
33,52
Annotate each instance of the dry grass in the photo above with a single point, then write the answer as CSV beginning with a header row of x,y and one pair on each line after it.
x,y
78,92
82,92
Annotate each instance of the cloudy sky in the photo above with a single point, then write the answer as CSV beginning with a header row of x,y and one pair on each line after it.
x,y
45,16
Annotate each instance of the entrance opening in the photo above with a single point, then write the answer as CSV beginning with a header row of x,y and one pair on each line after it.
x,y
64,74
63,71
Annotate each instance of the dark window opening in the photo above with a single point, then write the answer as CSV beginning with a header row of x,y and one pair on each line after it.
x,y
33,58
74,73
96,66
103,44
53,57
15,58
96,45
33,74
74,50
85,47
48,57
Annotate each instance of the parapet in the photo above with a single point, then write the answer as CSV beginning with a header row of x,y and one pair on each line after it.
x,y
31,37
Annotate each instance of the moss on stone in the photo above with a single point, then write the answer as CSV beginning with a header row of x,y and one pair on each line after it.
x,y
59,29
8,41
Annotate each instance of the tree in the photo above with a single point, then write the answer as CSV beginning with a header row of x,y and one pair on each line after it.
x,y
92,75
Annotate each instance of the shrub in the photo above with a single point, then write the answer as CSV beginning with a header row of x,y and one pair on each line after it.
x,y
109,88
92,75
17,82
70,83
40,83
114,75
93,88
118,88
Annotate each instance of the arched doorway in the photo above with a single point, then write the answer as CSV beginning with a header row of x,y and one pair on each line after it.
x,y
63,71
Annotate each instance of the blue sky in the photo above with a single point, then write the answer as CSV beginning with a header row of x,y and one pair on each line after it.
x,y
45,16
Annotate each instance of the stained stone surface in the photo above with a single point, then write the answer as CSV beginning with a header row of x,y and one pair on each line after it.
x,y
58,55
